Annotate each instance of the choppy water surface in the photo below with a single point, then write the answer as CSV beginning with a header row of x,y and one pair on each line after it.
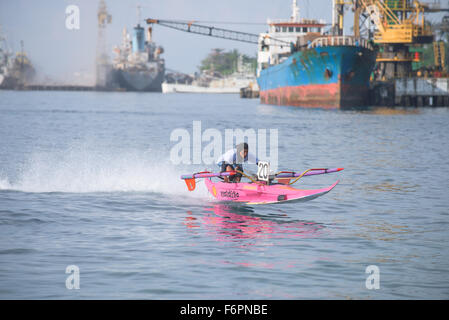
x,y
86,180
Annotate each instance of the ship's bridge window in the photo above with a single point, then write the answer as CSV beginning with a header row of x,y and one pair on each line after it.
x,y
304,29
284,29
298,29
290,29
277,29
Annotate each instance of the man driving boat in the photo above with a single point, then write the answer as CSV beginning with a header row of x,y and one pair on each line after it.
x,y
233,160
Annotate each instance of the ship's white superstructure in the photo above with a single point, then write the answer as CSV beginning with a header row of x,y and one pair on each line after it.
x,y
289,31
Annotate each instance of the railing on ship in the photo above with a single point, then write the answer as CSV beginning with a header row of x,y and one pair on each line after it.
x,y
340,41
302,21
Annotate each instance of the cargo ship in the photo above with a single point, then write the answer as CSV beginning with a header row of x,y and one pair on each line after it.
x,y
317,69
15,72
138,65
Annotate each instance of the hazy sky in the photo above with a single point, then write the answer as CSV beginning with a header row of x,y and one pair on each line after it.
x,y
59,53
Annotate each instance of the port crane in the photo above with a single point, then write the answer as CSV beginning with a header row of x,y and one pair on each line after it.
x,y
192,27
103,18
398,21
399,26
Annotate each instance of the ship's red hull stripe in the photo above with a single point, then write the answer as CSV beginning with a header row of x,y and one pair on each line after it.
x,y
333,95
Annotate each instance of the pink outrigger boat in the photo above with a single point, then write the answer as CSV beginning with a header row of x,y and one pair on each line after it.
x,y
252,193
260,192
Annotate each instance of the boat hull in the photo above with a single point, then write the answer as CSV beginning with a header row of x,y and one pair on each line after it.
x,y
137,80
321,77
252,193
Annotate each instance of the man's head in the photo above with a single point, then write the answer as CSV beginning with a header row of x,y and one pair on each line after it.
x,y
242,150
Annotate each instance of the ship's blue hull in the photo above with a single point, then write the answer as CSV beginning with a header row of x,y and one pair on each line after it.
x,y
326,77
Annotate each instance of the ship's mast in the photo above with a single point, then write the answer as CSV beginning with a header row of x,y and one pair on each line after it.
x,y
338,7
22,53
295,11
333,14
139,9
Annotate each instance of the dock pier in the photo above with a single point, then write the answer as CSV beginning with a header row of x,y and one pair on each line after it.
x,y
249,93
411,92
59,87
43,87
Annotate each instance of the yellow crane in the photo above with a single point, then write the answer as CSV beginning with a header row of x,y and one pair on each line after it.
x,y
399,25
398,21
